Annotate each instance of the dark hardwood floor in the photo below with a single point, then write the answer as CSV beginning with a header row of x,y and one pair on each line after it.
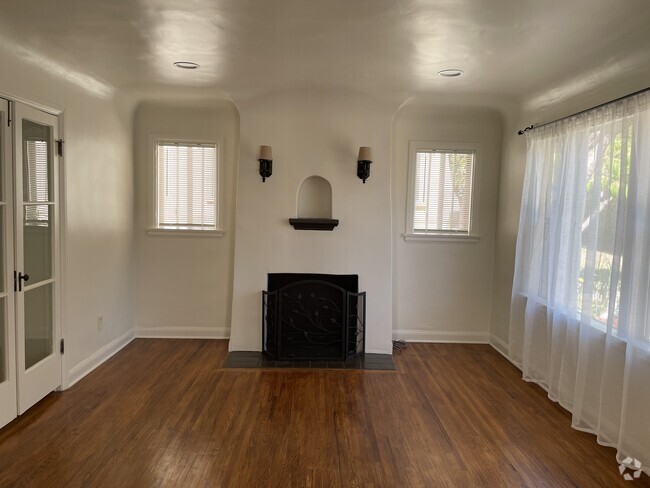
x,y
163,413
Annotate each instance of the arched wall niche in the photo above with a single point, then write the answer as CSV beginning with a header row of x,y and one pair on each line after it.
x,y
314,199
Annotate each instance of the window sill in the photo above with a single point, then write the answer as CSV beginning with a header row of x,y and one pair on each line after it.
x,y
180,232
441,237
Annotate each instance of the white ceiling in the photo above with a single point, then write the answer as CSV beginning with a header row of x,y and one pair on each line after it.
x,y
511,48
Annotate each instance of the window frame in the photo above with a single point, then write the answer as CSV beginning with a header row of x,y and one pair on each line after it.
x,y
153,229
472,236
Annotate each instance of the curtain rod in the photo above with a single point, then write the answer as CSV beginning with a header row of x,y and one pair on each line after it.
x,y
531,127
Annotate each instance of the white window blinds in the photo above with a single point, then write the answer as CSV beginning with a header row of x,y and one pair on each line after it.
x,y
37,182
443,191
187,185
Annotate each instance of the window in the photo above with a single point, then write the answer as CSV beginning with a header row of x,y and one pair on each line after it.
x,y
608,170
186,187
441,191
583,251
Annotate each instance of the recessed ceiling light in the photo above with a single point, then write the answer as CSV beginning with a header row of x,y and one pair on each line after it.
x,y
186,65
450,73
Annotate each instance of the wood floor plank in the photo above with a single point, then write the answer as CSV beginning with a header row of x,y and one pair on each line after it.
x,y
164,413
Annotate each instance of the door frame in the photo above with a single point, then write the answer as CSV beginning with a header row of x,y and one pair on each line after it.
x,y
63,217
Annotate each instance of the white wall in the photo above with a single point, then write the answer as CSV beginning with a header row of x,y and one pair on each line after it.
x,y
313,133
98,221
442,291
536,110
511,178
184,284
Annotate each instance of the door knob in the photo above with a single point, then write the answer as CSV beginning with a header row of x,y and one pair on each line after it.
x,y
22,278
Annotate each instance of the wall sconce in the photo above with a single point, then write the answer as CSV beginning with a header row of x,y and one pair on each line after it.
x,y
266,162
363,163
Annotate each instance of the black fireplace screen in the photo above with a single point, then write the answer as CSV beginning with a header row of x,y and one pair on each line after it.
x,y
313,319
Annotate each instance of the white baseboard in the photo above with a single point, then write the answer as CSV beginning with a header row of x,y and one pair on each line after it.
x,y
379,351
183,332
100,357
502,348
499,344
442,336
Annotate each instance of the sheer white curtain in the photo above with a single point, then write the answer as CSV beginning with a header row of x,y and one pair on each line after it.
x,y
580,318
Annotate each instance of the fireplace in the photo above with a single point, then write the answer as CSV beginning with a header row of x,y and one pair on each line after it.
x,y
313,317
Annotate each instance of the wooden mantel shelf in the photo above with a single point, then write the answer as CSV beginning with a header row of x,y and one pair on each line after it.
x,y
314,224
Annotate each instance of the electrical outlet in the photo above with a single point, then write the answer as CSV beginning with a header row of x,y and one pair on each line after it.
x,y
100,322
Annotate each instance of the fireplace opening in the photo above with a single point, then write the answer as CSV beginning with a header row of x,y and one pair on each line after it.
x,y
313,317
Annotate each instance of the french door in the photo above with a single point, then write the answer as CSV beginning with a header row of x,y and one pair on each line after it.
x,y
8,382
30,296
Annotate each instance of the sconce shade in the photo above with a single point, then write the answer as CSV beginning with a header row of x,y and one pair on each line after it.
x,y
266,153
363,163
365,154
266,162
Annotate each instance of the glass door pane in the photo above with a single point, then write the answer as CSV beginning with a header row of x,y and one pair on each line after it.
x,y
37,242
37,162
38,234
38,324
